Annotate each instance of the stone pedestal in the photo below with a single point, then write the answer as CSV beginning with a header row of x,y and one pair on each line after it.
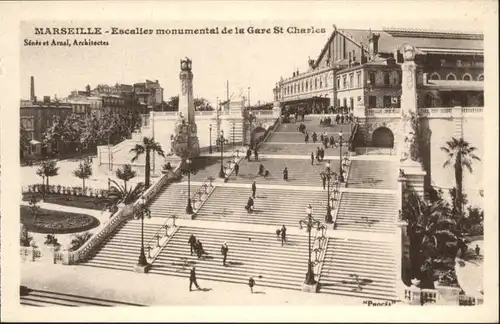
x,y
414,176
310,288
142,269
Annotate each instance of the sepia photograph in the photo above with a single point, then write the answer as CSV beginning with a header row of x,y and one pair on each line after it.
x,y
251,162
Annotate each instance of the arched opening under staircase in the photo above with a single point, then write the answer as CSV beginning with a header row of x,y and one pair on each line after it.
x,y
257,135
383,137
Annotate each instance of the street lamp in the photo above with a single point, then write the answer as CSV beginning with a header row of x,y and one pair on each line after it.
x,y
141,213
233,124
309,222
210,145
222,141
341,176
188,170
328,175
250,118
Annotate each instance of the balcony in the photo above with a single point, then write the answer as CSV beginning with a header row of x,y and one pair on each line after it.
x,y
451,112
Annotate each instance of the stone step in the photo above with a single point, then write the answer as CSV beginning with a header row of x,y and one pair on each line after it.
x,y
359,268
227,204
47,298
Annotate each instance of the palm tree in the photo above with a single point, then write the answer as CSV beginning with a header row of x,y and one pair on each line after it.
x,y
460,154
78,240
125,174
148,145
435,237
119,194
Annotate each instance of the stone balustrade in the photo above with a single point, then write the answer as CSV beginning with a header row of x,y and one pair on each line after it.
x,y
123,213
450,112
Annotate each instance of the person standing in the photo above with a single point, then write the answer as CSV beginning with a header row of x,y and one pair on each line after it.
x,y
249,206
323,178
306,138
192,279
285,174
223,250
249,154
312,158
254,189
251,283
283,234
477,249
236,169
192,243
321,138
315,137
256,154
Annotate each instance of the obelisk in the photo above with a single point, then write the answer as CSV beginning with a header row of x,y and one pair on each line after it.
x,y
185,143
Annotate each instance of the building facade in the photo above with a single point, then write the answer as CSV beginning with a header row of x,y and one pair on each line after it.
x,y
360,71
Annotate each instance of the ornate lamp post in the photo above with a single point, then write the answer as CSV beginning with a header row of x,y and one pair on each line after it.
x,y
233,124
328,175
210,144
188,170
222,141
341,176
309,222
141,213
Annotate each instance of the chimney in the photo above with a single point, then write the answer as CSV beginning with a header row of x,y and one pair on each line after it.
x,y
32,89
373,41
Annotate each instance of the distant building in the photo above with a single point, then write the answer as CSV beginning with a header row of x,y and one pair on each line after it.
x,y
36,117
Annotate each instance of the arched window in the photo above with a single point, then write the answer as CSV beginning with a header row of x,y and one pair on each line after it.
x,y
435,76
321,82
316,83
480,77
307,86
326,81
451,76
467,77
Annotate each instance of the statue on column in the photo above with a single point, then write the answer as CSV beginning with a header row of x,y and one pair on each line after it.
x,y
184,140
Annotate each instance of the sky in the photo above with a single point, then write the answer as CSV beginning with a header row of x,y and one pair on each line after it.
x,y
255,61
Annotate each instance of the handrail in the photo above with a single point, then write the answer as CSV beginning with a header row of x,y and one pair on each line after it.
x,y
165,225
208,183
122,214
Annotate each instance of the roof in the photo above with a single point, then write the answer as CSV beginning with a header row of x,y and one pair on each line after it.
x,y
391,39
426,41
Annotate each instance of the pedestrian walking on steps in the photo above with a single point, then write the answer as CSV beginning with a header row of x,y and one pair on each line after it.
x,y
192,243
251,283
321,138
285,174
236,169
199,249
223,250
250,205
249,154
266,174
256,154
323,178
306,138
192,279
312,158
278,234
283,234
254,189
261,170
314,137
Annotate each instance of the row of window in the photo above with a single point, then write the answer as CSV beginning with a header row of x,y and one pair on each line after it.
x,y
110,101
451,76
320,82
387,102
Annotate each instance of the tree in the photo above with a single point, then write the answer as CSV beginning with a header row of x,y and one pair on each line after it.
x,y
26,237
48,169
118,194
173,103
460,154
77,240
34,208
125,174
83,171
148,145
435,238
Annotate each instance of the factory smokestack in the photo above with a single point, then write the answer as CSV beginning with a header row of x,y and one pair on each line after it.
x,y
32,89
